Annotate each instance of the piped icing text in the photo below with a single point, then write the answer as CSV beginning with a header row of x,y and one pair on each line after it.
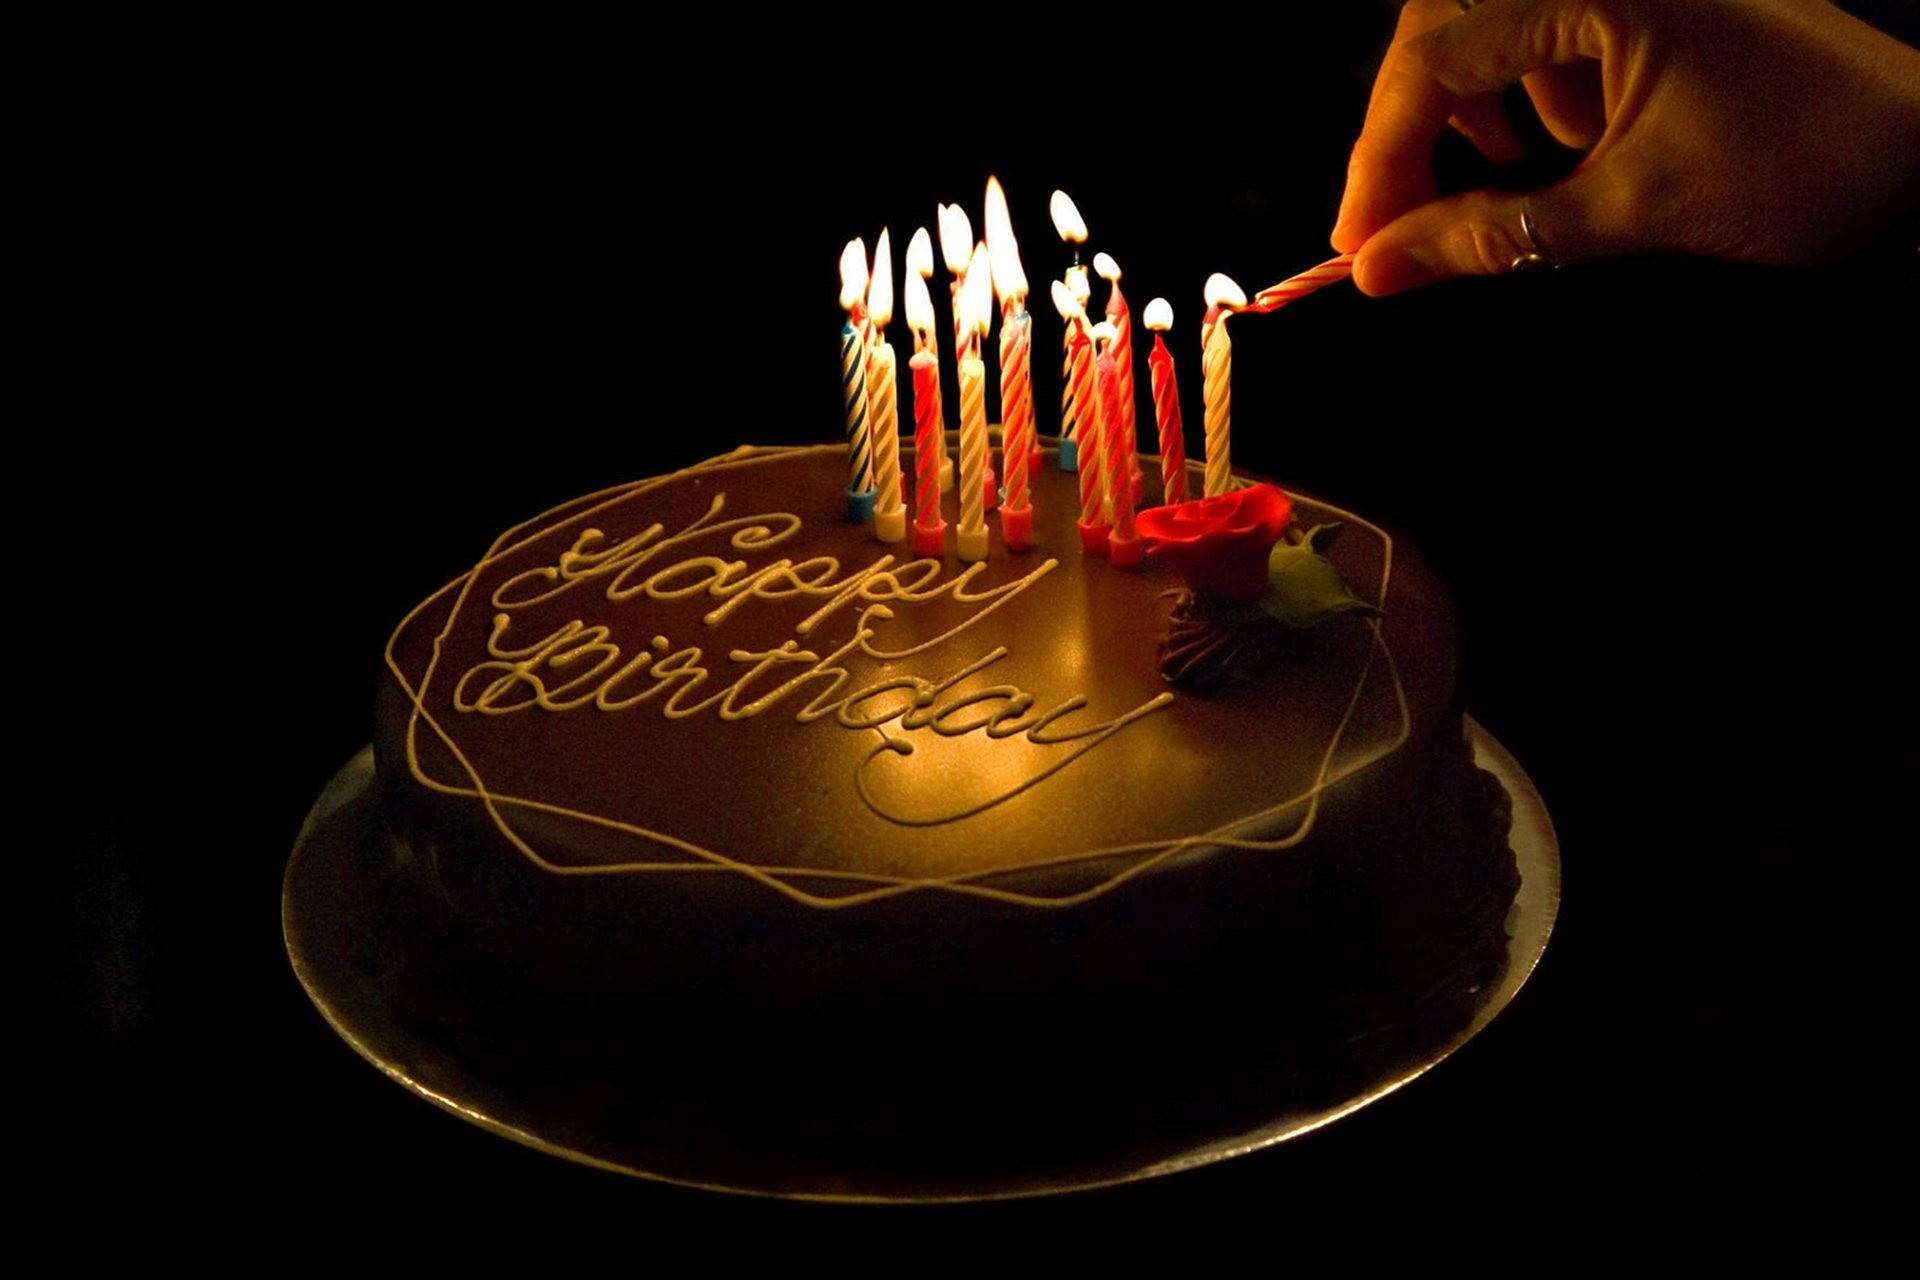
x,y
579,665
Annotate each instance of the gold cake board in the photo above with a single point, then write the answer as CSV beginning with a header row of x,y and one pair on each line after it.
x,y
339,960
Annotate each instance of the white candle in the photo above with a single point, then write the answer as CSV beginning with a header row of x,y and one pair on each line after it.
x,y
890,509
1216,365
853,381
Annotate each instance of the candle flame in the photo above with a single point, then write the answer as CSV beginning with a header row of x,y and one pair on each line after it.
x,y
1221,291
853,274
1009,277
1077,281
920,254
880,290
976,295
1063,302
1066,218
956,237
1108,269
1105,332
919,305
1158,315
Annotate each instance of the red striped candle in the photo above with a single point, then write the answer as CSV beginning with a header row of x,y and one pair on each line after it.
x,y
929,423
1166,406
929,441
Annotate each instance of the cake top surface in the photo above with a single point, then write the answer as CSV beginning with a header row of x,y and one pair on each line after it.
x,y
715,672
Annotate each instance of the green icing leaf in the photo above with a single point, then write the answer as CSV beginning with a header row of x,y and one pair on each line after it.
x,y
1304,589
1321,536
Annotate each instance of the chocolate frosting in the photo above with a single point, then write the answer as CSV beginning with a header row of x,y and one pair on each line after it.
x,y
715,672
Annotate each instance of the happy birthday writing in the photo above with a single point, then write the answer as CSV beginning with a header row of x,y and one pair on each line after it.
x,y
578,665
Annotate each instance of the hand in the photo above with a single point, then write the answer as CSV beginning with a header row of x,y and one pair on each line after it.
x,y
1776,131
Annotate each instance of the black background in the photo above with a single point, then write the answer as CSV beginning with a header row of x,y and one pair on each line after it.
x,y
377,306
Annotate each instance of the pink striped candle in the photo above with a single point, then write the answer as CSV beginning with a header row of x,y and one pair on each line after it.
x,y
1293,288
1120,316
1123,544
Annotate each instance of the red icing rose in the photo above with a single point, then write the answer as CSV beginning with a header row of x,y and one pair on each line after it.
x,y
1219,545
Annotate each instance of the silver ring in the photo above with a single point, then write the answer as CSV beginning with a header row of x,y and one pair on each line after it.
x,y
1537,254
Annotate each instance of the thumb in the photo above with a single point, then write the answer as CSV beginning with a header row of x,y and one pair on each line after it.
x,y
1484,233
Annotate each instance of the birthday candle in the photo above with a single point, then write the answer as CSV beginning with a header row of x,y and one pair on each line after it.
x,y
1123,545
1216,366
853,381
929,428
1093,469
1121,318
920,263
1073,232
976,309
958,248
1019,449
890,512
1313,279
1166,406
1076,377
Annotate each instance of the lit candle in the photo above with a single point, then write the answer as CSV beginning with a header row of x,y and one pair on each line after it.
x,y
1121,317
1076,386
853,381
1068,222
890,512
1073,232
1123,544
1166,406
1093,489
958,248
929,427
1216,368
1019,450
1012,291
920,263
976,310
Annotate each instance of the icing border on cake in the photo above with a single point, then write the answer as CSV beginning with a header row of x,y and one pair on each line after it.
x,y
1145,855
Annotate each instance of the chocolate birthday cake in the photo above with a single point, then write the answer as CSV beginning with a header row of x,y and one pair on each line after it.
x,y
914,859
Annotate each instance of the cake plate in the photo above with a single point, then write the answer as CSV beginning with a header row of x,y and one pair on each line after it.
x,y
346,953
